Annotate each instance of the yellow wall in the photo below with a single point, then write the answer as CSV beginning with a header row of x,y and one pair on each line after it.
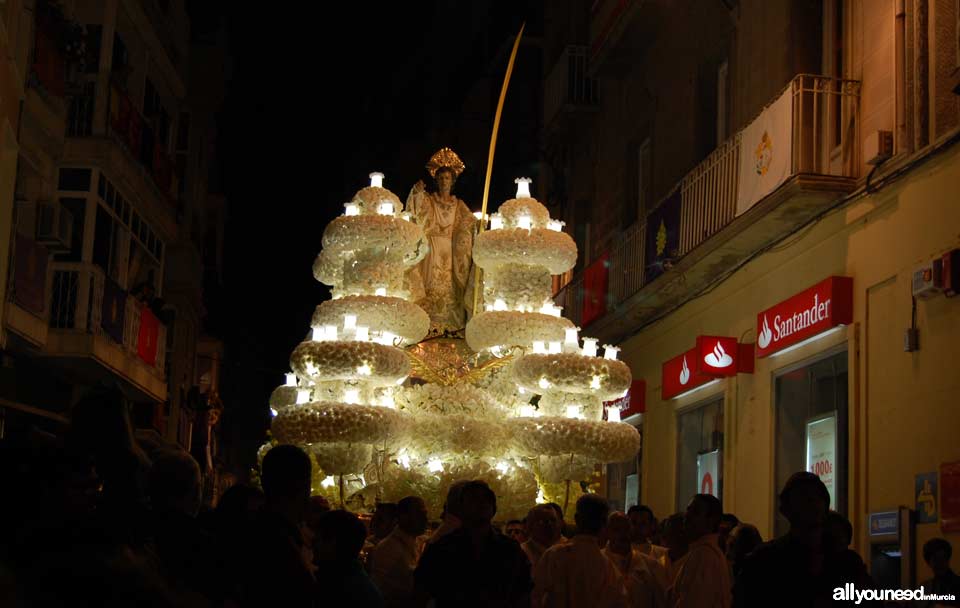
x,y
904,417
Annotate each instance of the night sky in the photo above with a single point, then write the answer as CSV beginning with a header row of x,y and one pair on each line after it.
x,y
315,102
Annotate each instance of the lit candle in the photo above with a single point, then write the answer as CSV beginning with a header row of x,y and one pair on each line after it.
x,y
527,411
610,352
523,187
291,379
435,466
364,370
499,304
376,179
386,400
496,221
589,347
570,339
351,396
387,338
273,412
573,411
363,333
613,414
539,347
328,482
503,467
524,222
595,383
385,208
380,291
330,331
404,458
555,225
406,215
555,348
318,334
481,216
488,307
352,209
349,322
303,396
544,383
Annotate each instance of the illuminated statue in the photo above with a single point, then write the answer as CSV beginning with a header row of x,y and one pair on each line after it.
x,y
448,226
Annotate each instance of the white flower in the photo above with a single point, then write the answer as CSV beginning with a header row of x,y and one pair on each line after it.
x,y
518,285
553,250
337,422
351,233
323,361
510,328
572,373
600,441
515,208
342,458
379,313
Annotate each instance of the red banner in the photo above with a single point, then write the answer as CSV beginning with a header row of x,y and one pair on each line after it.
x,y
807,314
950,496
634,402
595,290
147,337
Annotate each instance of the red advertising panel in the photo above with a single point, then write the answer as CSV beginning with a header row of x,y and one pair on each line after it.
x,y
634,402
807,314
950,496
680,374
717,355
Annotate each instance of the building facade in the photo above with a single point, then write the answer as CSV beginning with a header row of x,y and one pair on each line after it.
x,y
754,187
113,215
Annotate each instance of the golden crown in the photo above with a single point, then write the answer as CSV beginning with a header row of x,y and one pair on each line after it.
x,y
445,158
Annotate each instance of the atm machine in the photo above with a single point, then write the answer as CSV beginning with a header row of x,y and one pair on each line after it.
x,y
892,536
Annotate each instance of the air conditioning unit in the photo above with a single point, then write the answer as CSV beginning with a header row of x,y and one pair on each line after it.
x,y
54,226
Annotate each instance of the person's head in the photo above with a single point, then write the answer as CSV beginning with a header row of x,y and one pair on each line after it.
x,y
837,532
516,530
239,502
673,535
556,509
339,537
479,505
174,483
100,427
702,516
285,475
454,502
937,553
742,541
642,522
619,532
804,501
445,180
728,521
412,515
543,525
384,519
591,514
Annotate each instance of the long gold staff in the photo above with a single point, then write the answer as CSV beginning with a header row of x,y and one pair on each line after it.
x,y
493,146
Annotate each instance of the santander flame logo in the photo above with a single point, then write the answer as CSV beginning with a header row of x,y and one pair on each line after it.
x,y
766,336
685,372
718,358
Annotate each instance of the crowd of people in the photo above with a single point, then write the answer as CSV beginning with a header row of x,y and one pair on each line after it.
x,y
97,520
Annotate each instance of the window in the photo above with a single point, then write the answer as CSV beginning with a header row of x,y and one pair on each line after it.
x,y
700,452
74,179
77,208
811,425
623,482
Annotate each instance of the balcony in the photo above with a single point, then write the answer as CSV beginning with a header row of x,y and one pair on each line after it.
x,y
717,229
86,344
568,88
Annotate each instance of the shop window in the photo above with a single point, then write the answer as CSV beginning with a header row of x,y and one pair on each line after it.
x,y
811,428
623,482
700,452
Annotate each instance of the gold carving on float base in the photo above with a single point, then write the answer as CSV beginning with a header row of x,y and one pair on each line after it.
x,y
449,361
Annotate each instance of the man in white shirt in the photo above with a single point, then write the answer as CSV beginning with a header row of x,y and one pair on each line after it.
x,y
703,580
577,574
643,524
395,557
543,531
642,574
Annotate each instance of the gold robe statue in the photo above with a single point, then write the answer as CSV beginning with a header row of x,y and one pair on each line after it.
x,y
448,226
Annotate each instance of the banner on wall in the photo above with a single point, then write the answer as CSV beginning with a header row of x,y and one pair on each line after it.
x,y
822,452
662,242
708,473
595,290
766,152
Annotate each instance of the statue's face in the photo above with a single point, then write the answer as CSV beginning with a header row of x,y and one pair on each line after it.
x,y
444,181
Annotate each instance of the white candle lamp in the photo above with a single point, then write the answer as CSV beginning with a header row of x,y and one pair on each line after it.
x,y
613,414
523,187
527,411
595,383
555,348
387,338
386,400
364,370
363,333
376,179
589,347
610,352
544,383
406,216
524,222
351,209
539,347
328,482
499,304
573,411
303,396
349,322
570,341
273,412
380,291
351,396
330,332
435,466
555,225
496,221
319,335
291,379
385,208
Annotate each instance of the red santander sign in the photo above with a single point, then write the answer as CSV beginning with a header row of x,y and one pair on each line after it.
x,y
811,312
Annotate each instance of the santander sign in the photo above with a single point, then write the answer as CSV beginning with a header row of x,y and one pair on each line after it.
x,y
807,314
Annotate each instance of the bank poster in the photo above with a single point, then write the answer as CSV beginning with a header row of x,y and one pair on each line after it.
x,y
708,479
822,452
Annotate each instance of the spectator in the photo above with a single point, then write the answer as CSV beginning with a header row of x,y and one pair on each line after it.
x,y
742,541
578,574
728,521
516,530
703,580
675,539
396,556
382,523
475,566
643,526
543,531
937,553
643,576
450,519
274,572
341,579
